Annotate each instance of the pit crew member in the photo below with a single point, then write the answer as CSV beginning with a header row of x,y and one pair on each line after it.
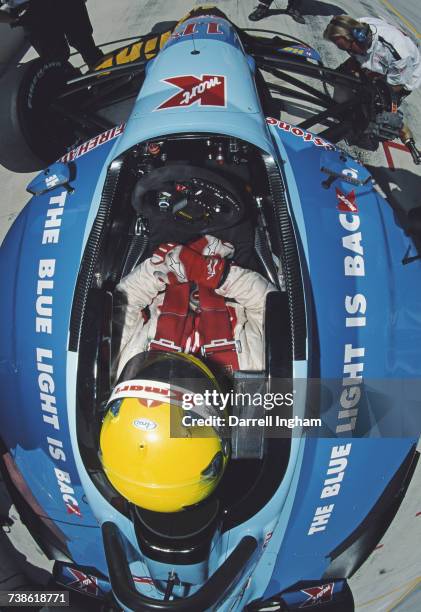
x,y
262,10
52,25
379,50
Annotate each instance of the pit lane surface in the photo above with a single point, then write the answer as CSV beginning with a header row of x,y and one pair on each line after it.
x,y
390,578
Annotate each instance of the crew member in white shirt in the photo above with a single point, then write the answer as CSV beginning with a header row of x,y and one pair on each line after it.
x,y
380,50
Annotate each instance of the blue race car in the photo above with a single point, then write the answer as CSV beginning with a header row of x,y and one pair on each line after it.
x,y
293,516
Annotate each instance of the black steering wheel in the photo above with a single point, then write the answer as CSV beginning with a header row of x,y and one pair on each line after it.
x,y
190,197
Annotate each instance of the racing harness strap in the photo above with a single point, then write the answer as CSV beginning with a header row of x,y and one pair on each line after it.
x,y
207,331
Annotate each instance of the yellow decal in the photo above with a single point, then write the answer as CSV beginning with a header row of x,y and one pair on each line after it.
x,y
105,64
294,50
129,54
150,47
164,37
139,50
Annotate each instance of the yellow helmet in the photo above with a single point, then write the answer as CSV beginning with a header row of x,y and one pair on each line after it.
x,y
148,454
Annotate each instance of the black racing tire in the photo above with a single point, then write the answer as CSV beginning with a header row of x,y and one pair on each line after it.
x,y
31,134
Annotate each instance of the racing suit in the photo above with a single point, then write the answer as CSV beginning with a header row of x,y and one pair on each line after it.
x,y
241,297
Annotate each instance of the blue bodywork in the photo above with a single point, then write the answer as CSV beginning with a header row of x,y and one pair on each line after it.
x,y
351,255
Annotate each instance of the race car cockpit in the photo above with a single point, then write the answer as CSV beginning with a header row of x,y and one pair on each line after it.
x,y
177,189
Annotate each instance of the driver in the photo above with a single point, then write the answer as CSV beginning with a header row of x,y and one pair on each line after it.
x,y
184,302
151,457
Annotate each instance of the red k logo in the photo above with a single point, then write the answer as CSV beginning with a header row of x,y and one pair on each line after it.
x,y
72,509
208,90
318,595
83,582
346,202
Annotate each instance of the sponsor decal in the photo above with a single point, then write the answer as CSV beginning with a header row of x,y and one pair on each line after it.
x,y
45,364
318,595
268,536
144,424
206,90
148,390
296,131
213,243
93,143
52,181
298,51
331,486
347,202
83,582
146,48
355,310
352,173
143,579
146,584
177,267
50,416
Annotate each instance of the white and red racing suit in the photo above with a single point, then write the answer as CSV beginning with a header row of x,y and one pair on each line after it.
x,y
223,325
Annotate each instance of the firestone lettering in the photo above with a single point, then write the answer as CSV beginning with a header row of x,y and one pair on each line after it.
x,y
296,131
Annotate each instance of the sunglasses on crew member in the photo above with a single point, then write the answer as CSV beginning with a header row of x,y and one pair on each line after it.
x,y
343,43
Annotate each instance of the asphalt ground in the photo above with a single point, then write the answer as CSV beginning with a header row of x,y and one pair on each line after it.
x,y
391,578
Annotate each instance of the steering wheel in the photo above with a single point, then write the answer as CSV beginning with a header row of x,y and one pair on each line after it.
x,y
206,205
188,196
